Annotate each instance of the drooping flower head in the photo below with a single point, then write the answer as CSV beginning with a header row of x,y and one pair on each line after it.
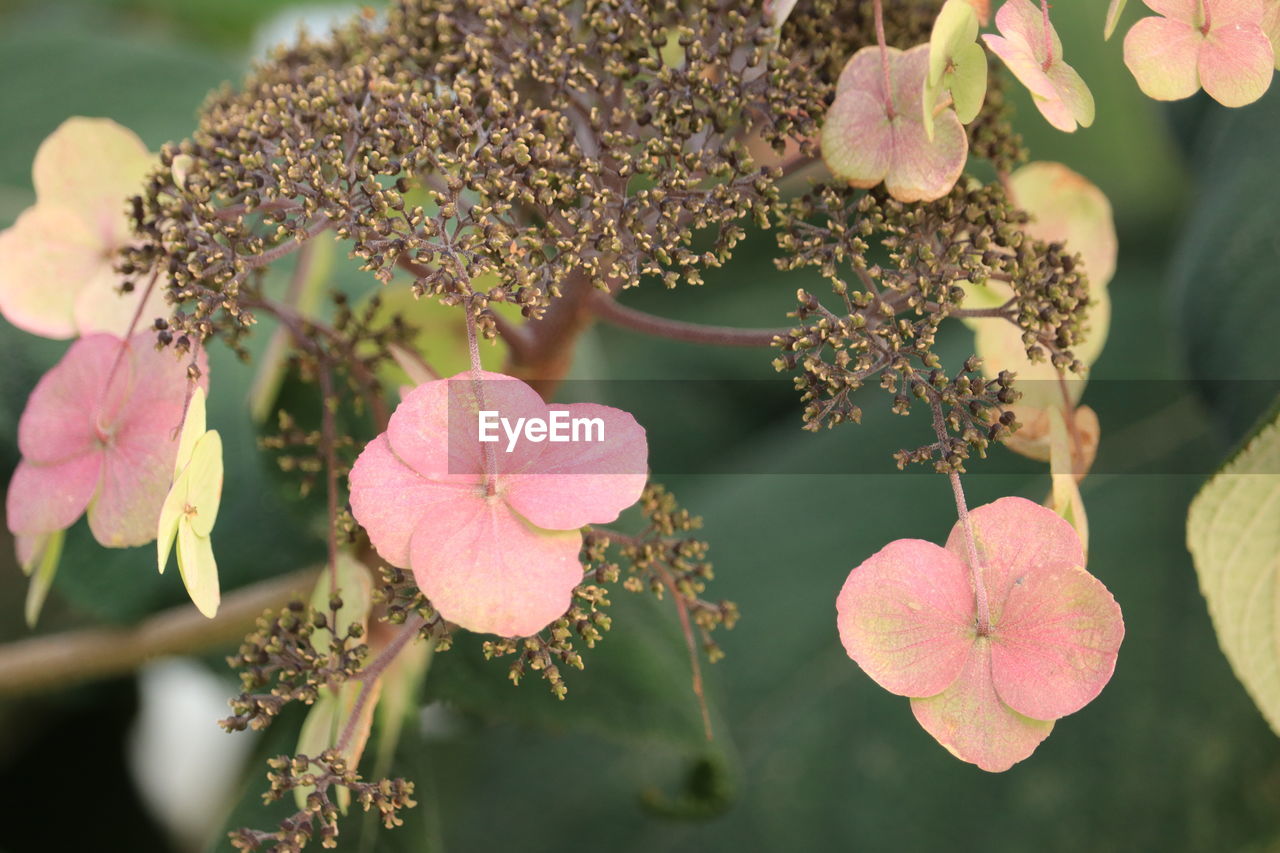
x,y
957,63
908,617
1030,47
57,275
191,508
1218,44
99,432
873,133
491,530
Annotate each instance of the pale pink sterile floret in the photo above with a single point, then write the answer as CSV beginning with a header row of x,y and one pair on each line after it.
x,y
875,133
908,617
1031,49
57,261
99,432
492,537
1221,45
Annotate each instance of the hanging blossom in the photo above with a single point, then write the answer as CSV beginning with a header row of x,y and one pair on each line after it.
x,y
491,531
989,694
191,508
875,132
1029,45
1218,44
57,275
99,434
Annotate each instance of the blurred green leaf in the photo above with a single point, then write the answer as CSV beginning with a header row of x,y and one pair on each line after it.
x,y
1233,532
1224,272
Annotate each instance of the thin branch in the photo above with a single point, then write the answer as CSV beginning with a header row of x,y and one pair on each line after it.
x,y
372,671
58,660
606,308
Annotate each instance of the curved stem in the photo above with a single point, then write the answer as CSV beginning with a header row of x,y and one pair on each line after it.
x,y
981,604
608,309
369,675
877,7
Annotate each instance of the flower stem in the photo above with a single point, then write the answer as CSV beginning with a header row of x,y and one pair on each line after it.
x,y
477,387
979,587
369,676
877,7
981,603
606,308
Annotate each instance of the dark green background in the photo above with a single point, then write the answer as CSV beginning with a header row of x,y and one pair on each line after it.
x,y
809,754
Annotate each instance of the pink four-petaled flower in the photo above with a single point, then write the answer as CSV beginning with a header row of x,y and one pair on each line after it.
x,y
99,433
908,617
1218,44
492,537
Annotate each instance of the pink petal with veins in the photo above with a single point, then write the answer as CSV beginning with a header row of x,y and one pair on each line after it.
x,y
1162,55
973,724
71,408
1236,64
45,498
390,499
572,484
488,571
906,617
1055,646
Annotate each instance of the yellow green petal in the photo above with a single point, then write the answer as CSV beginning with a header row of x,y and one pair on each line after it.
x,y
204,482
193,427
42,567
199,569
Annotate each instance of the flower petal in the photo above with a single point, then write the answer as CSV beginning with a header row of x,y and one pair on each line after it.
x,y
194,425
46,259
389,499
1185,11
1271,26
857,138
199,570
1023,23
204,478
69,404
1022,63
1016,540
973,724
45,498
435,429
1055,646
90,166
136,474
1074,94
1162,55
1067,208
1236,64
575,483
140,456
488,571
922,168
101,307
906,617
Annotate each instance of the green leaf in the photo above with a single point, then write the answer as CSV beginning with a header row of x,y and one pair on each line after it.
x,y
1233,533
1224,270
